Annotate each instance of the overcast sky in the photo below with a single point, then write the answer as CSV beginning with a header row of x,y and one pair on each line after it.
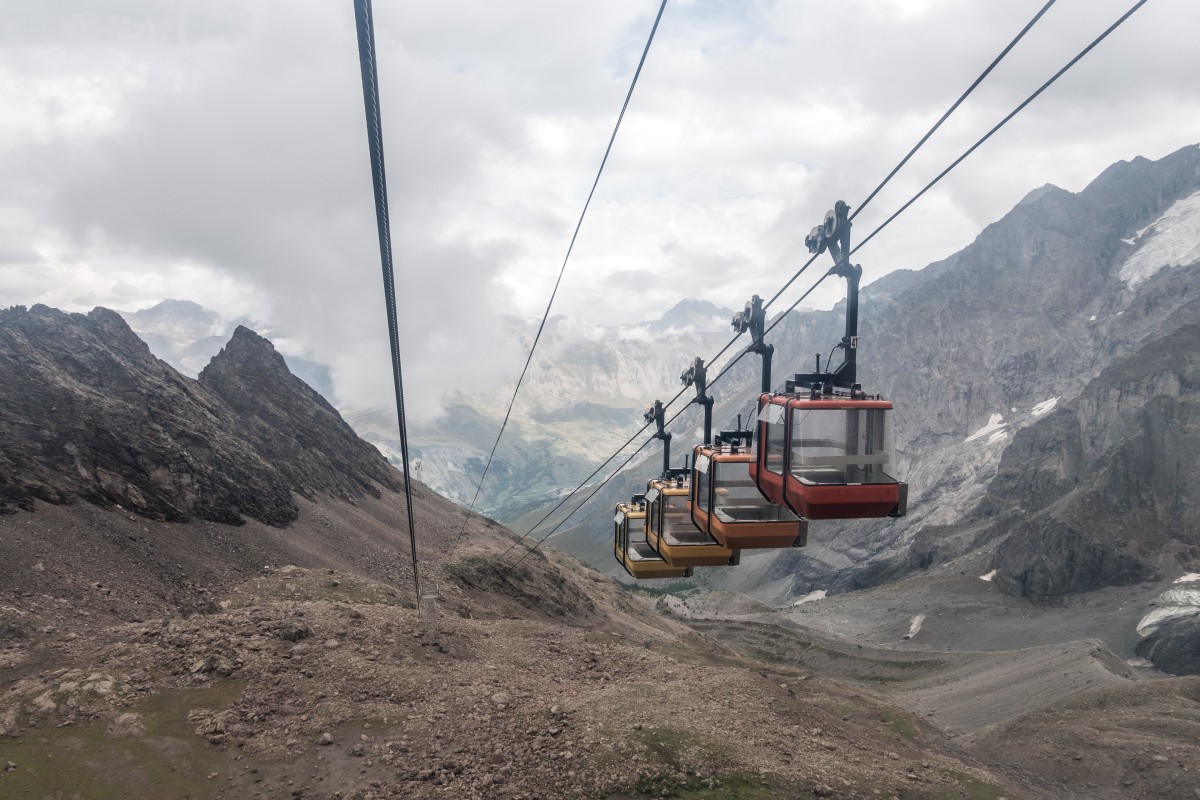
x,y
214,150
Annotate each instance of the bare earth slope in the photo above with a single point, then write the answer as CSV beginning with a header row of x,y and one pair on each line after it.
x,y
545,681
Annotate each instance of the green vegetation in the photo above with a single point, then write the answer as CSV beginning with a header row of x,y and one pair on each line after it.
x,y
975,788
902,724
167,760
730,787
670,750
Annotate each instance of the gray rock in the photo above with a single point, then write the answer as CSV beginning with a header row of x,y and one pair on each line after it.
x,y
1174,647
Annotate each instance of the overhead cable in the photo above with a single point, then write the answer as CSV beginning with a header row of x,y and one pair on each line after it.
x,y
570,247
365,23
1004,121
921,143
954,106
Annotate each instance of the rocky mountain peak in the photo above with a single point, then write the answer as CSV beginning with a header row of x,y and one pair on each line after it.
x,y
247,358
88,413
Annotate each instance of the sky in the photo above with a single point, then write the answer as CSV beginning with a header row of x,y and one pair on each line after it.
x,y
215,151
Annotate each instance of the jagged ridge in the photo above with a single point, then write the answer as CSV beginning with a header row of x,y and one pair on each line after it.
x,y
86,411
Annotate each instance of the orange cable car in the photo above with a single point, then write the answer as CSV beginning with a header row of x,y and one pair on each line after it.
x,y
669,526
632,550
727,504
724,500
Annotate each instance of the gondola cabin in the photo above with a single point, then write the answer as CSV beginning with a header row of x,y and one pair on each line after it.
x,y
669,526
827,457
727,505
632,550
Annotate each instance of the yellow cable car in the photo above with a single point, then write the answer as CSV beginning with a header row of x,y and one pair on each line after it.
x,y
632,550
727,504
669,526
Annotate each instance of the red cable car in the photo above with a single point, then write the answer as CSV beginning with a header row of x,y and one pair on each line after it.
x,y
827,458
823,451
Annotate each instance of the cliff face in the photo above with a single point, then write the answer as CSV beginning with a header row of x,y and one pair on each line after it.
x,y
1106,491
86,411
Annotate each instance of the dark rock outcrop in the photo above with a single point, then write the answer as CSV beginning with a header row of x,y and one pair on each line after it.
x,y
1174,646
87,412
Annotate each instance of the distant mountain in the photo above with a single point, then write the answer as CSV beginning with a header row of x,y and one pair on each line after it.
x,y
187,335
87,412
584,397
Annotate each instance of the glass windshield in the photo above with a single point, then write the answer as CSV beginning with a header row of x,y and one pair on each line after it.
x,y
737,499
637,529
840,445
676,518
776,442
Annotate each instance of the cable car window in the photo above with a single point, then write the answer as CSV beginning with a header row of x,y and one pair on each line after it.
x,y
776,442
840,445
637,530
676,518
702,483
737,499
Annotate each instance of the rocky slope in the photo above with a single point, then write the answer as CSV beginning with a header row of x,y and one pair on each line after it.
x,y
86,411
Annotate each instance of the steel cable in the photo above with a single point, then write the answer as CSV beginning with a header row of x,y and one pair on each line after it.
x,y
365,24
570,247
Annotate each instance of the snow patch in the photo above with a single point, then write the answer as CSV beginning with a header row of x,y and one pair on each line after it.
x,y
1045,407
1172,604
989,576
915,627
995,423
1149,623
1092,318
811,597
1173,240
1191,576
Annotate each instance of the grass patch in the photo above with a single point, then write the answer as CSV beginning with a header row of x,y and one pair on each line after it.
x,y
975,788
167,760
730,787
902,724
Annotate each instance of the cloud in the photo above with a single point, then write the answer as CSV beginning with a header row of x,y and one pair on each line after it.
x,y
215,151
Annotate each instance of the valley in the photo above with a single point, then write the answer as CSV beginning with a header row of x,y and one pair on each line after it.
x,y
206,589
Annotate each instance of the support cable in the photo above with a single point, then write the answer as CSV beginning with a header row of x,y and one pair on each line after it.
x,y
953,107
365,23
1004,121
570,247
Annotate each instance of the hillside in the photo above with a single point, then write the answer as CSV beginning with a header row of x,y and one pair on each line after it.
x,y
148,655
